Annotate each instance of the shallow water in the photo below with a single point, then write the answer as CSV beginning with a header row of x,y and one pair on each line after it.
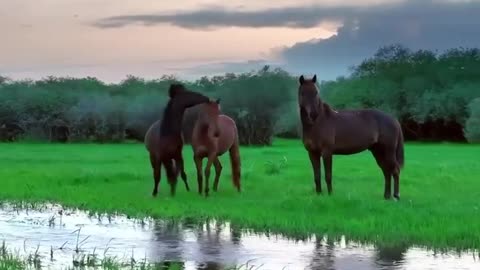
x,y
69,233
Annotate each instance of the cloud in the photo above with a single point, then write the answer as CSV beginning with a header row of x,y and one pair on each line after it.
x,y
215,17
220,68
418,24
432,25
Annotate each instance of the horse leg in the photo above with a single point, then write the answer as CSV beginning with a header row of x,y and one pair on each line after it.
x,y
327,163
315,160
211,158
198,166
156,166
171,175
387,165
396,185
181,169
388,180
218,171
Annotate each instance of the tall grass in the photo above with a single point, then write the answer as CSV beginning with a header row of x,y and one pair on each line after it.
x,y
439,204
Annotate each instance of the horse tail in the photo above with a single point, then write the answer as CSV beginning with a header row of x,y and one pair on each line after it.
x,y
400,151
235,163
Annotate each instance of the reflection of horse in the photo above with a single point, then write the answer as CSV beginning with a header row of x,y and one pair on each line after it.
x,y
213,135
391,257
164,140
168,242
323,256
327,132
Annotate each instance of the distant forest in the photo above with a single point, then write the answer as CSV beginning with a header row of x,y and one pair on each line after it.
x,y
435,96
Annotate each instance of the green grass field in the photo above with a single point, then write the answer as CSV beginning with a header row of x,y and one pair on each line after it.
x,y
439,207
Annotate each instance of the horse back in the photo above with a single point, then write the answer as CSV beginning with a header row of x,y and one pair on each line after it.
x,y
368,125
352,131
152,137
228,133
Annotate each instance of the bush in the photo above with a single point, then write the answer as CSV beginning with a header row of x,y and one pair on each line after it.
x,y
255,101
472,126
426,91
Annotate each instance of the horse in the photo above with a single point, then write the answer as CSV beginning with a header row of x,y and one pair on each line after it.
x,y
164,140
327,132
214,134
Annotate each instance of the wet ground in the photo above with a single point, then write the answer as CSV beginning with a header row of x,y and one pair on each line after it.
x,y
61,236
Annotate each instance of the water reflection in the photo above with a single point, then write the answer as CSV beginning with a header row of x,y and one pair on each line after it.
x,y
390,258
210,245
323,254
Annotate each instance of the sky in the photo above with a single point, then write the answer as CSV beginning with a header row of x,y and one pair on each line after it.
x,y
110,39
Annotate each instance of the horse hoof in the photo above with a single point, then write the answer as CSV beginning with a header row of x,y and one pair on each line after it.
x,y
154,194
396,197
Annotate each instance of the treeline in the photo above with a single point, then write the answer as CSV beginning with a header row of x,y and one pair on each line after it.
x,y
433,95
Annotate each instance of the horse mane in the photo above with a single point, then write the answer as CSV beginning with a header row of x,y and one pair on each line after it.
x,y
175,88
167,124
327,109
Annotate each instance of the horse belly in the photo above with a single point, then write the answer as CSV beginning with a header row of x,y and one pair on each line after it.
x,y
349,151
352,144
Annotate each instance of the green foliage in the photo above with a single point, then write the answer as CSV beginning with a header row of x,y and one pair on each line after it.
x,y
277,199
428,92
472,127
255,101
421,87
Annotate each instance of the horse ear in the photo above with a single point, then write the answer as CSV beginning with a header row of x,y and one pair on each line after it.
x,y
301,79
218,100
174,90
314,79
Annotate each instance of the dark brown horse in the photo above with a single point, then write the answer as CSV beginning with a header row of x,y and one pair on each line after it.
x,y
327,132
213,135
164,140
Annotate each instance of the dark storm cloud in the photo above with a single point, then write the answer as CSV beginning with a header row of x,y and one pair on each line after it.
x,y
293,17
418,24
415,24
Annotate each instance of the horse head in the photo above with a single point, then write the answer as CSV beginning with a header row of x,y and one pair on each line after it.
x,y
184,98
308,99
211,112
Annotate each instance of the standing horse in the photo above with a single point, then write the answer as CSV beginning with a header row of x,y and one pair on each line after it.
x,y
213,135
327,132
164,140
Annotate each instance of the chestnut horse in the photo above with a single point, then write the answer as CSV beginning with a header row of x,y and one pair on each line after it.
x,y
164,140
327,132
213,135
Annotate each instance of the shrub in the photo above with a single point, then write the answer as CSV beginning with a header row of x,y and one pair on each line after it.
x,y
472,126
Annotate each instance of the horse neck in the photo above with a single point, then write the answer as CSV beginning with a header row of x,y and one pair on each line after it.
x,y
324,113
172,120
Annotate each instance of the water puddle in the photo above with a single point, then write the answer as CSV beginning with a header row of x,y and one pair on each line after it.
x,y
59,237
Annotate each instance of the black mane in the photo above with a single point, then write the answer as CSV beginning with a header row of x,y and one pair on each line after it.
x,y
170,124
